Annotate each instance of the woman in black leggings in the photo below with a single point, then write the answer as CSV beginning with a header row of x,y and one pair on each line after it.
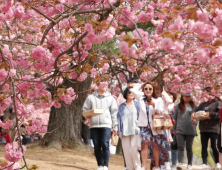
x,y
210,128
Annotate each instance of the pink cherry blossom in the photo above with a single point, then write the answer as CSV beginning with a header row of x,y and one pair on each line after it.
x,y
88,27
19,10
57,105
6,125
105,68
74,75
82,76
70,91
38,53
3,74
14,152
93,72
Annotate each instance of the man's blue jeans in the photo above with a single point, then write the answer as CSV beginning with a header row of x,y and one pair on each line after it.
x,y
101,137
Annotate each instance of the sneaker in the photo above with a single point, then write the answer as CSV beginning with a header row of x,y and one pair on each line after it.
x,y
180,166
162,167
100,168
142,168
105,168
174,168
218,165
167,166
204,166
189,167
156,168
125,169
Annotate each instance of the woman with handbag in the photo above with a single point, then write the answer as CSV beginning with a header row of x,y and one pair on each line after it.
x,y
150,104
185,129
128,131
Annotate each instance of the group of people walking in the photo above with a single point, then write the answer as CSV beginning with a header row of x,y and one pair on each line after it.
x,y
131,118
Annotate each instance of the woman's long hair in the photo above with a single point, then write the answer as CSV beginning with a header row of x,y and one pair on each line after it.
x,y
182,104
155,91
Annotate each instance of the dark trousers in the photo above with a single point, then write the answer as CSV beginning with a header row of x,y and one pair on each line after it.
x,y
181,139
205,136
85,134
101,137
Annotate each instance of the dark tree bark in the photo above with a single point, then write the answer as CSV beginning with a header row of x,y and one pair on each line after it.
x,y
65,123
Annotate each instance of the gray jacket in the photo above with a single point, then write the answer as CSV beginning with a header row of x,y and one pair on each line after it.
x,y
183,125
108,104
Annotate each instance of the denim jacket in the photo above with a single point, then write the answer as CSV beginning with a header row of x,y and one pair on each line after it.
x,y
120,115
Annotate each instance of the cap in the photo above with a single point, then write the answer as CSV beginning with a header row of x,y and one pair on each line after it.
x,y
186,94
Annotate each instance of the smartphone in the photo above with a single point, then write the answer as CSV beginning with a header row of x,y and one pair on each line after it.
x,y
149,99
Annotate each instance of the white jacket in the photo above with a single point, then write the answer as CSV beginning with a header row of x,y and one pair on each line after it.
x,y
109,118
159,108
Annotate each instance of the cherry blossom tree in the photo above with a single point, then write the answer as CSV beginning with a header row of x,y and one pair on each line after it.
x,y
52,51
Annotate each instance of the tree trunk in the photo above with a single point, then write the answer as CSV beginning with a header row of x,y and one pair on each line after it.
x,y
65,123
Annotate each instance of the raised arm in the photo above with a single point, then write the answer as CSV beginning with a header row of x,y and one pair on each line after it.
x,y
136,91
166,98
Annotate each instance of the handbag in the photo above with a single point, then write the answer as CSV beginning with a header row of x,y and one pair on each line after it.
x,y
114,139
162,122
174,143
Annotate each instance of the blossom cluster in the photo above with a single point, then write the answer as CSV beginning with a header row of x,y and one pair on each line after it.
x,y
13,152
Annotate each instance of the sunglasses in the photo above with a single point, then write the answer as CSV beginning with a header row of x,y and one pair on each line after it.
x,y
129,92
150,89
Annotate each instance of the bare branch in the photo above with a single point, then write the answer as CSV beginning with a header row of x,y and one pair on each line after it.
x,y
50,19
62,16
69,49
18,42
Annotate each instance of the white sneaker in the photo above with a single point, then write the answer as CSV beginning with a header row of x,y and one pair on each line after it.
x,y
174,168
189,167
218,165
142,168
100,168
125,169
204,166
180,166
156,168
105,168
162,167
167,166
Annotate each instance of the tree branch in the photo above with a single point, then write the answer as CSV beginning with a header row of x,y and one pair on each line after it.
x,y
18,42
68,50
62,16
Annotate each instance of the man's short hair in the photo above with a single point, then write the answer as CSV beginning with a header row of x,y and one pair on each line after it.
x,y
126,91
208,89
132,80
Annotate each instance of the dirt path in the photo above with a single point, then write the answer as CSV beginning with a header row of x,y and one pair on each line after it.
x,y
48,159
51,159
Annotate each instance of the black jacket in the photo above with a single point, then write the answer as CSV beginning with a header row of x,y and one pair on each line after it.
x,y
212,124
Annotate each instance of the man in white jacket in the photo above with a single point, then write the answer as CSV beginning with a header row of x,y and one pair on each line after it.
x,y
100,126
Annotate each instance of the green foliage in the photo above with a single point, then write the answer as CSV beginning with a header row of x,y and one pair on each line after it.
x,y
107,48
